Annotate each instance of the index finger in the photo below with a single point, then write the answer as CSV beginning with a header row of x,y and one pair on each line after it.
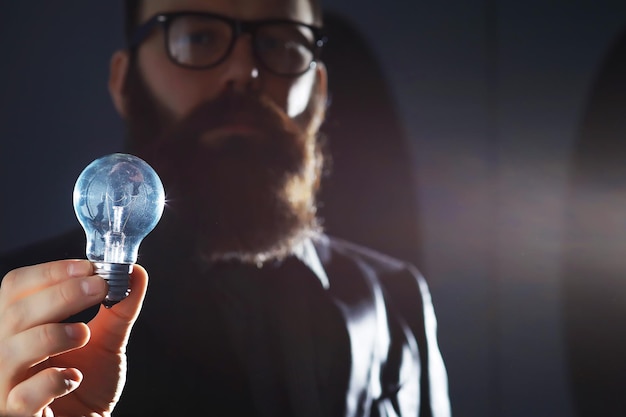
x,y
23,281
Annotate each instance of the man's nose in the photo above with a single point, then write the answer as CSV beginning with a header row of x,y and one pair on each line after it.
x,y
240,70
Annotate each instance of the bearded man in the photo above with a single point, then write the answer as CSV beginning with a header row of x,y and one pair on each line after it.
x,y
252,310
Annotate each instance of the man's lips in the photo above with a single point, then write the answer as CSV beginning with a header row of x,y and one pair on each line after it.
x,y
217,135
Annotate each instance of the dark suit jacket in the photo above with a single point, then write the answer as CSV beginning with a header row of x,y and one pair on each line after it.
x,y
237,340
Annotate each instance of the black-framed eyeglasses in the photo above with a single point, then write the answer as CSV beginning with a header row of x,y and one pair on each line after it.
x,y
200,40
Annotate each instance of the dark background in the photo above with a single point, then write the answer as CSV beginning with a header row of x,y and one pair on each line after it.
x,y
490,95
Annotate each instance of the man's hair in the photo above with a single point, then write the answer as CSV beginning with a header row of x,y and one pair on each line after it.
x,y
131,17
132,10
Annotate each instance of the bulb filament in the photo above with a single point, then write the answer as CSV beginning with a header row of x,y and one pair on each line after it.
x,y
119,209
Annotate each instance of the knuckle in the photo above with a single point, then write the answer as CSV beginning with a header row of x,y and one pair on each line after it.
x,y
48,336
56,382
13,318
8,282
48,272
67,293
6,354
17,402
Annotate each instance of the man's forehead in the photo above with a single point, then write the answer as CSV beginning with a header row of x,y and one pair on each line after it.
x,y
300,10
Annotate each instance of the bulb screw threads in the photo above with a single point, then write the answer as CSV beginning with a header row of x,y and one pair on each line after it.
x,y
118,278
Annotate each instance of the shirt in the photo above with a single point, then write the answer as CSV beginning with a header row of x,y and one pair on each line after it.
x,y
335,330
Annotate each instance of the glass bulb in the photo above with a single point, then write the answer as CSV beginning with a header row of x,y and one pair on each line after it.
x,y
118,200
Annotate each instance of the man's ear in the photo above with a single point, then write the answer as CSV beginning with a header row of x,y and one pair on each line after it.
x,y
321,81
117,79
320,96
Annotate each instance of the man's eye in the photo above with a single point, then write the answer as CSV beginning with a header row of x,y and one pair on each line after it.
x,y
201,38
270,43
273,43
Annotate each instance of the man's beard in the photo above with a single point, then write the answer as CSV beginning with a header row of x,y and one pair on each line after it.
x,y
249,197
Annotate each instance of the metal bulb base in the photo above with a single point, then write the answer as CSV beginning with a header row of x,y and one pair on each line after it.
x,y
117,277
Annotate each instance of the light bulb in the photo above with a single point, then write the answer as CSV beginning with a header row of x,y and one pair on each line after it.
x,y
118,200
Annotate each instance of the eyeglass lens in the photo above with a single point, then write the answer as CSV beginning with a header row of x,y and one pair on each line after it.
x,y
202,41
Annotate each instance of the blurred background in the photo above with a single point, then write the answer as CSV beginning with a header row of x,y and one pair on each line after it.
x,y
480,140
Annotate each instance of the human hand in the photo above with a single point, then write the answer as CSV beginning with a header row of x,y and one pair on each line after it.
x,y
71,369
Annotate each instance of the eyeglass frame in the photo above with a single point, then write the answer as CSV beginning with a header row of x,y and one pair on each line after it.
x,y
238,27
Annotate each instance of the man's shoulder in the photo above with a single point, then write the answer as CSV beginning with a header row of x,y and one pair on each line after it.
x,y
333,250
69,245
400,281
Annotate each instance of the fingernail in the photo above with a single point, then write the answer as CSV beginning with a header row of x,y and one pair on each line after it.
x,y
92,285
71,332
70,379
71,384
79,269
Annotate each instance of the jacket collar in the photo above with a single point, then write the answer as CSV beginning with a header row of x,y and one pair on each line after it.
x,y
307,254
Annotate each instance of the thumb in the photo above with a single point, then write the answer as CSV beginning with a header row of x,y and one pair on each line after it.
x,y
111,326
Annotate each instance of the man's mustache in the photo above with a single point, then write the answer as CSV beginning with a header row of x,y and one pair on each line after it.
x,y
230,108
